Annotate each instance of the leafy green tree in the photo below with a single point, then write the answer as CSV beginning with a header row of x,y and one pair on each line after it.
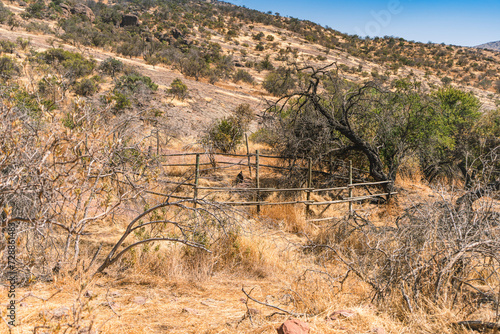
x,y
458,112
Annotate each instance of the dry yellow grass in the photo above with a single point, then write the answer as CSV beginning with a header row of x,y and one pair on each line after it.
x,y
169,288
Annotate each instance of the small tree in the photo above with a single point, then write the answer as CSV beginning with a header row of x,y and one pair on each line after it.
x,y
111,66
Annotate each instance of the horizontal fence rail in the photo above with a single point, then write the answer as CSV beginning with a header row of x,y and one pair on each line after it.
x,y
254,168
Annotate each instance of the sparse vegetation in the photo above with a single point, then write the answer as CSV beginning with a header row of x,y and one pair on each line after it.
x,y
97,172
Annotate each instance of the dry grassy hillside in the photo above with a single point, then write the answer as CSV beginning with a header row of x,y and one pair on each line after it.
x,y
114,230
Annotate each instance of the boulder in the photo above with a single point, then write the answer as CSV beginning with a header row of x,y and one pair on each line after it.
x,y
293,326
129,20
83,10
22,3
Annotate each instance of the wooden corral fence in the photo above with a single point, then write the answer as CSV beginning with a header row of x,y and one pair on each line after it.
x,y
255,171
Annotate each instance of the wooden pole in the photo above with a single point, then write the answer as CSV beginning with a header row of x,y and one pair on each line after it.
x,y
350,188
196,179
309,184
257,178
248,155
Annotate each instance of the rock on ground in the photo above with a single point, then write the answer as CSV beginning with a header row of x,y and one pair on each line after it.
x,y
293,326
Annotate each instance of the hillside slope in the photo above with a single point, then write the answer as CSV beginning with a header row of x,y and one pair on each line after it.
x,y
490,46
231,39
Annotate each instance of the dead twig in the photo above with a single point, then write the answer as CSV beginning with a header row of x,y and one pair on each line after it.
x,y
294,314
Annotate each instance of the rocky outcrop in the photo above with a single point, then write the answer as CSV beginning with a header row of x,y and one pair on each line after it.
x,y
79,9
129,20
83,10
65,9
293,326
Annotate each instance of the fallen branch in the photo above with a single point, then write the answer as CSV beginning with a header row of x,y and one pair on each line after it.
x,y
293,314
477,325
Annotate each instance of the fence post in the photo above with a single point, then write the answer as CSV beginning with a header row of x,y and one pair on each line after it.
x,y
157,141
309,184
257,178
248,156
196,178
331,167
350,187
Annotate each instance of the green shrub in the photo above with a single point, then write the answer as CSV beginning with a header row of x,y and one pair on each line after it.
x,y
23,43
132,81
111,66
36,10
38,27
178,89
266,64
28,102
74,63
258,36
264,136
242,75
86,87
446,80
121,100
8,68
4,13
224,135
279,82
227,133
7,46
69,121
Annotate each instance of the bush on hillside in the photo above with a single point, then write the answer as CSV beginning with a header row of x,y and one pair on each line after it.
x,y
178,89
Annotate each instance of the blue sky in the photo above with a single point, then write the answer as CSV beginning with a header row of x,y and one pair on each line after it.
x,y
457,22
